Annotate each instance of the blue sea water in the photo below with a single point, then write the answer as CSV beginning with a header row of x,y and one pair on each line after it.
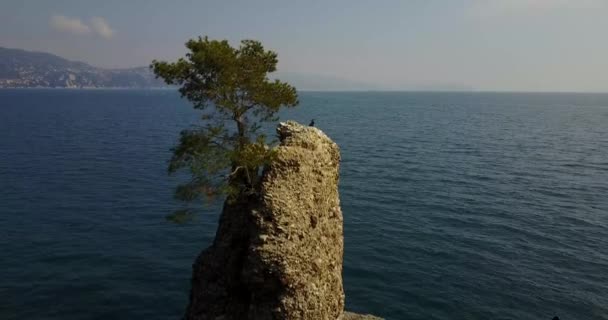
x,y
456,205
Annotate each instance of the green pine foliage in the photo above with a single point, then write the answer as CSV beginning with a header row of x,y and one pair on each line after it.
x,y
224,155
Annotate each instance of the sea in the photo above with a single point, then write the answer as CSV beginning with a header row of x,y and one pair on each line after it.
x,y
456,205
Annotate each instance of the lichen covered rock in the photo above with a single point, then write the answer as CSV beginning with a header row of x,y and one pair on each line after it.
x,y
296,249
278,254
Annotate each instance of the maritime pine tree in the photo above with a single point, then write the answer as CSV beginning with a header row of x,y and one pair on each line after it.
x,y
225,152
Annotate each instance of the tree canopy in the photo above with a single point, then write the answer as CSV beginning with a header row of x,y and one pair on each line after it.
x,y
225,152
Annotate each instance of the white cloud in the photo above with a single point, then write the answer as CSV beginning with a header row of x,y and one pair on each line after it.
x,y
491,8
101,27
97,26
71,25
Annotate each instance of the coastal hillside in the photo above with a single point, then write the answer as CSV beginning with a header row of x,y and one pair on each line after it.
x,y
28,69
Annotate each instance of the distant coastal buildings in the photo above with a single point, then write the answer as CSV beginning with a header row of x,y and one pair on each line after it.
x,y
26,69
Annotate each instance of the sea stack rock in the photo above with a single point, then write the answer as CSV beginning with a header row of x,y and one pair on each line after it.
x,y
278,255
297,243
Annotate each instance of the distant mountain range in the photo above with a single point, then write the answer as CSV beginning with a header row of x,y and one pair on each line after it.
x,y
27,69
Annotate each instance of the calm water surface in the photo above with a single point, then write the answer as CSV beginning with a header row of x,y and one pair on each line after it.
x,y
456,205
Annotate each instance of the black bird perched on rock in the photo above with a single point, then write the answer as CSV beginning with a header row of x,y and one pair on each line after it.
x,y
312,123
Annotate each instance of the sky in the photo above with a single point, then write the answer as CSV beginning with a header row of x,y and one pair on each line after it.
x,y
490,45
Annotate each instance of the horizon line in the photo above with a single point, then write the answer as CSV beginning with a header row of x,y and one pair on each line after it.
x,y
330,91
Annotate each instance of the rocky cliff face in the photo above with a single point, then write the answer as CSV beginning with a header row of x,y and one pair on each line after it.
x,y
279,255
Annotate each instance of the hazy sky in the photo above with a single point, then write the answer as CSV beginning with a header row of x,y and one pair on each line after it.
x,y
523,45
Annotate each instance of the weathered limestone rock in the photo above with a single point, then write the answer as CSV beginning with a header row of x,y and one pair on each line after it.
x,y
278,255
297,243
218,289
